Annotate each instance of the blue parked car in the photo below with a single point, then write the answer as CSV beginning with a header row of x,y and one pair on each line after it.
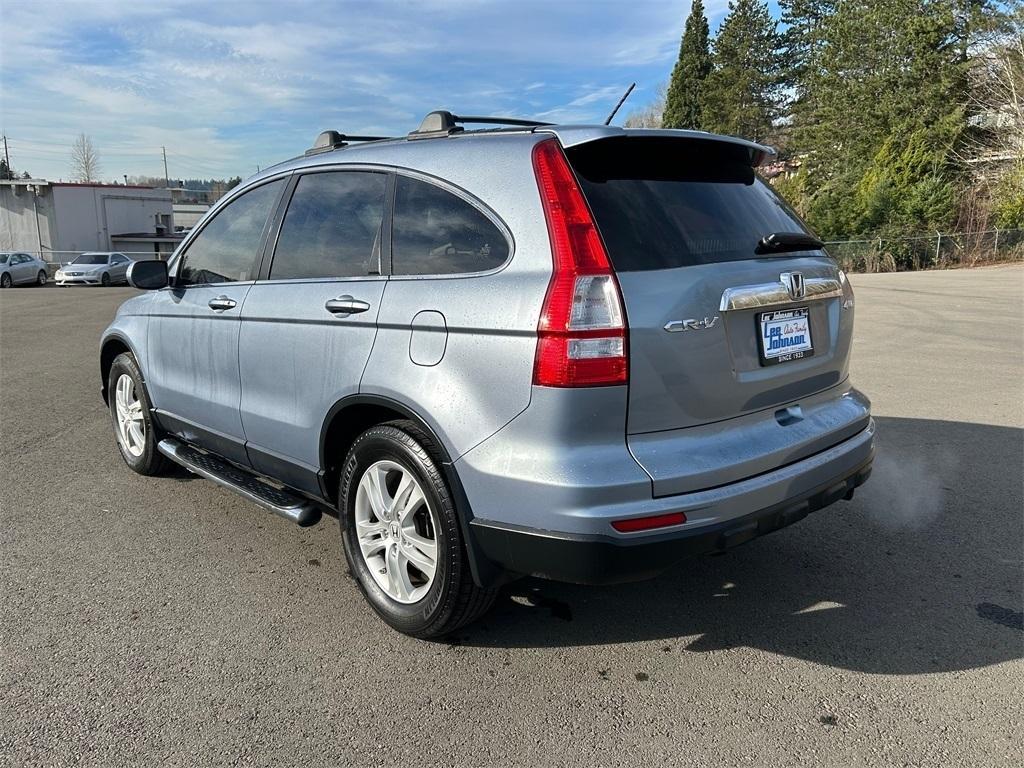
x,y
574,352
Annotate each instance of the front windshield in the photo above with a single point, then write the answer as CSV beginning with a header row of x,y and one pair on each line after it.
x,y
3,258
91,258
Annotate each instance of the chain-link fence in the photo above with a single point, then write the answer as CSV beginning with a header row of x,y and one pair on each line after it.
x,y
942,249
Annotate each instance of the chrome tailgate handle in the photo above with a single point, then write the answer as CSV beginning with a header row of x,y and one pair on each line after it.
x,y
774,294
346,305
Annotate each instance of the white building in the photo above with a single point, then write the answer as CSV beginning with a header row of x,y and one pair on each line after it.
x,y
59,220
187,215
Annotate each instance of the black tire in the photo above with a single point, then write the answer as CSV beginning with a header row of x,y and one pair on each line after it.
x,y
105,280
5,280
453,599
41,277
151,461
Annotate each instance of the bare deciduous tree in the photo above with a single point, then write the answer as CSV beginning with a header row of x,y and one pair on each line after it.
x,y
992,149
85,160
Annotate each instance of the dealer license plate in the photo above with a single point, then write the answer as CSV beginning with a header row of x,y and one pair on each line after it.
x,y
785,335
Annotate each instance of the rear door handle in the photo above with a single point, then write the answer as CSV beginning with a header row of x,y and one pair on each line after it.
x,y
346,305
221,303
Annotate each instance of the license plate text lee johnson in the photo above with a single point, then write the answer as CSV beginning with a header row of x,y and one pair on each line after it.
x,y
785,336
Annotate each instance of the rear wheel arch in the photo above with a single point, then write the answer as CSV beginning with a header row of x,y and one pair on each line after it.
x,y
352,416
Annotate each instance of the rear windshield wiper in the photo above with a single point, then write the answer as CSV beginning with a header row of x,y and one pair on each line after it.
x,y
784,242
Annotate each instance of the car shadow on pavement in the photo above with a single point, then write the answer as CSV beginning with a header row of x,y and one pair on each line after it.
x,y
919,573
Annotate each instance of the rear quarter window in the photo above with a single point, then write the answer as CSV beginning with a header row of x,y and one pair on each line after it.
x,y
674,202
436,232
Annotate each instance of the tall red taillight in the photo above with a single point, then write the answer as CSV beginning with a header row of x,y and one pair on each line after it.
x,y
581,337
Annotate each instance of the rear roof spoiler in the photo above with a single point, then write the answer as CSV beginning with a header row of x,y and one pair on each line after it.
x,y
574,135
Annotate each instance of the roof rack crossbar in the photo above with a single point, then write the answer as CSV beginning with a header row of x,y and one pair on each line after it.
x,y
329,140
443,123
499,120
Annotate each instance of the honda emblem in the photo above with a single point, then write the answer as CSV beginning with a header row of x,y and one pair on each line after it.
x,y
794,282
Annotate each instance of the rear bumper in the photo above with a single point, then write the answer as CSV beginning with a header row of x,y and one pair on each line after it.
x,y
579,544
585,559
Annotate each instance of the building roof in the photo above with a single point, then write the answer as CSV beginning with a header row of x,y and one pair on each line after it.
x,y
98,184
148,237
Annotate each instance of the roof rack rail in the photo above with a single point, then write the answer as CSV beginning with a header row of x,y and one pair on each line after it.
x,y
443,123
329,140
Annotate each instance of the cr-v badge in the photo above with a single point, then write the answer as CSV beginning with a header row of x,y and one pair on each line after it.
x,y
691,325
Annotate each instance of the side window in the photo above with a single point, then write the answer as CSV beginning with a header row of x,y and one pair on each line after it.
x,y
332,227
226,250
438,233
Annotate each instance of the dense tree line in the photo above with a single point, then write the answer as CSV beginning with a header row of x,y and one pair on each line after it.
x,y
895,116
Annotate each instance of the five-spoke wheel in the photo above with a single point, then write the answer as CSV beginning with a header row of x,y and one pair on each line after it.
x,y
131,427
396,531
134,428
402,535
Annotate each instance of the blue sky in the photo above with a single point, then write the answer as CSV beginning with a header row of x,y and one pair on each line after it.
x,y
227,86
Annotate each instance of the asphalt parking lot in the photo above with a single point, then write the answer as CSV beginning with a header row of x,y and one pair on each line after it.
x,y
169,622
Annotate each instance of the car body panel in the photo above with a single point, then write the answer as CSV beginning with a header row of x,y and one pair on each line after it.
x,y
297,360
193,365
711,455
559,467
482,379
713,372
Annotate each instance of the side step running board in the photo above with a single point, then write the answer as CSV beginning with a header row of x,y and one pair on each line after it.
x,y
286,504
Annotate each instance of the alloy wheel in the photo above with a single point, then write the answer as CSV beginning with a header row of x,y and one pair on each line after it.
x,y
396,531
131,426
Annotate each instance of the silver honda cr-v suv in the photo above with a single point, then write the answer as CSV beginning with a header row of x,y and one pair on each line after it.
x,y
574,352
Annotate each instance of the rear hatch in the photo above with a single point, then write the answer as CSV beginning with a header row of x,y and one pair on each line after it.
x,y
716,329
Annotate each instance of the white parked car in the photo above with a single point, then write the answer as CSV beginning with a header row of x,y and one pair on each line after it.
x,y
21,269
95,268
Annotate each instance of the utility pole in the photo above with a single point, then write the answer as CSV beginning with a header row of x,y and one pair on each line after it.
x,y
167,181
7,158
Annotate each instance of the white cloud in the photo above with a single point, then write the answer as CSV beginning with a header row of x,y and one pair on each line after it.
x,y
226,86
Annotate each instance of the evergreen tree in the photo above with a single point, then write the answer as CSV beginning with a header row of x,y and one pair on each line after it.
x,y
686,89
743,92
883,117
804,24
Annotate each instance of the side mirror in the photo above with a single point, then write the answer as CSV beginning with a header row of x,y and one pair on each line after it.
x,y
148,275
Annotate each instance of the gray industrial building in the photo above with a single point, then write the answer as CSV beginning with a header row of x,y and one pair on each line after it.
x,y
60,219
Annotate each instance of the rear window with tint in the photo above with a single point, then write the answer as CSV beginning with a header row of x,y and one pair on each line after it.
x,y
438,233
662,203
